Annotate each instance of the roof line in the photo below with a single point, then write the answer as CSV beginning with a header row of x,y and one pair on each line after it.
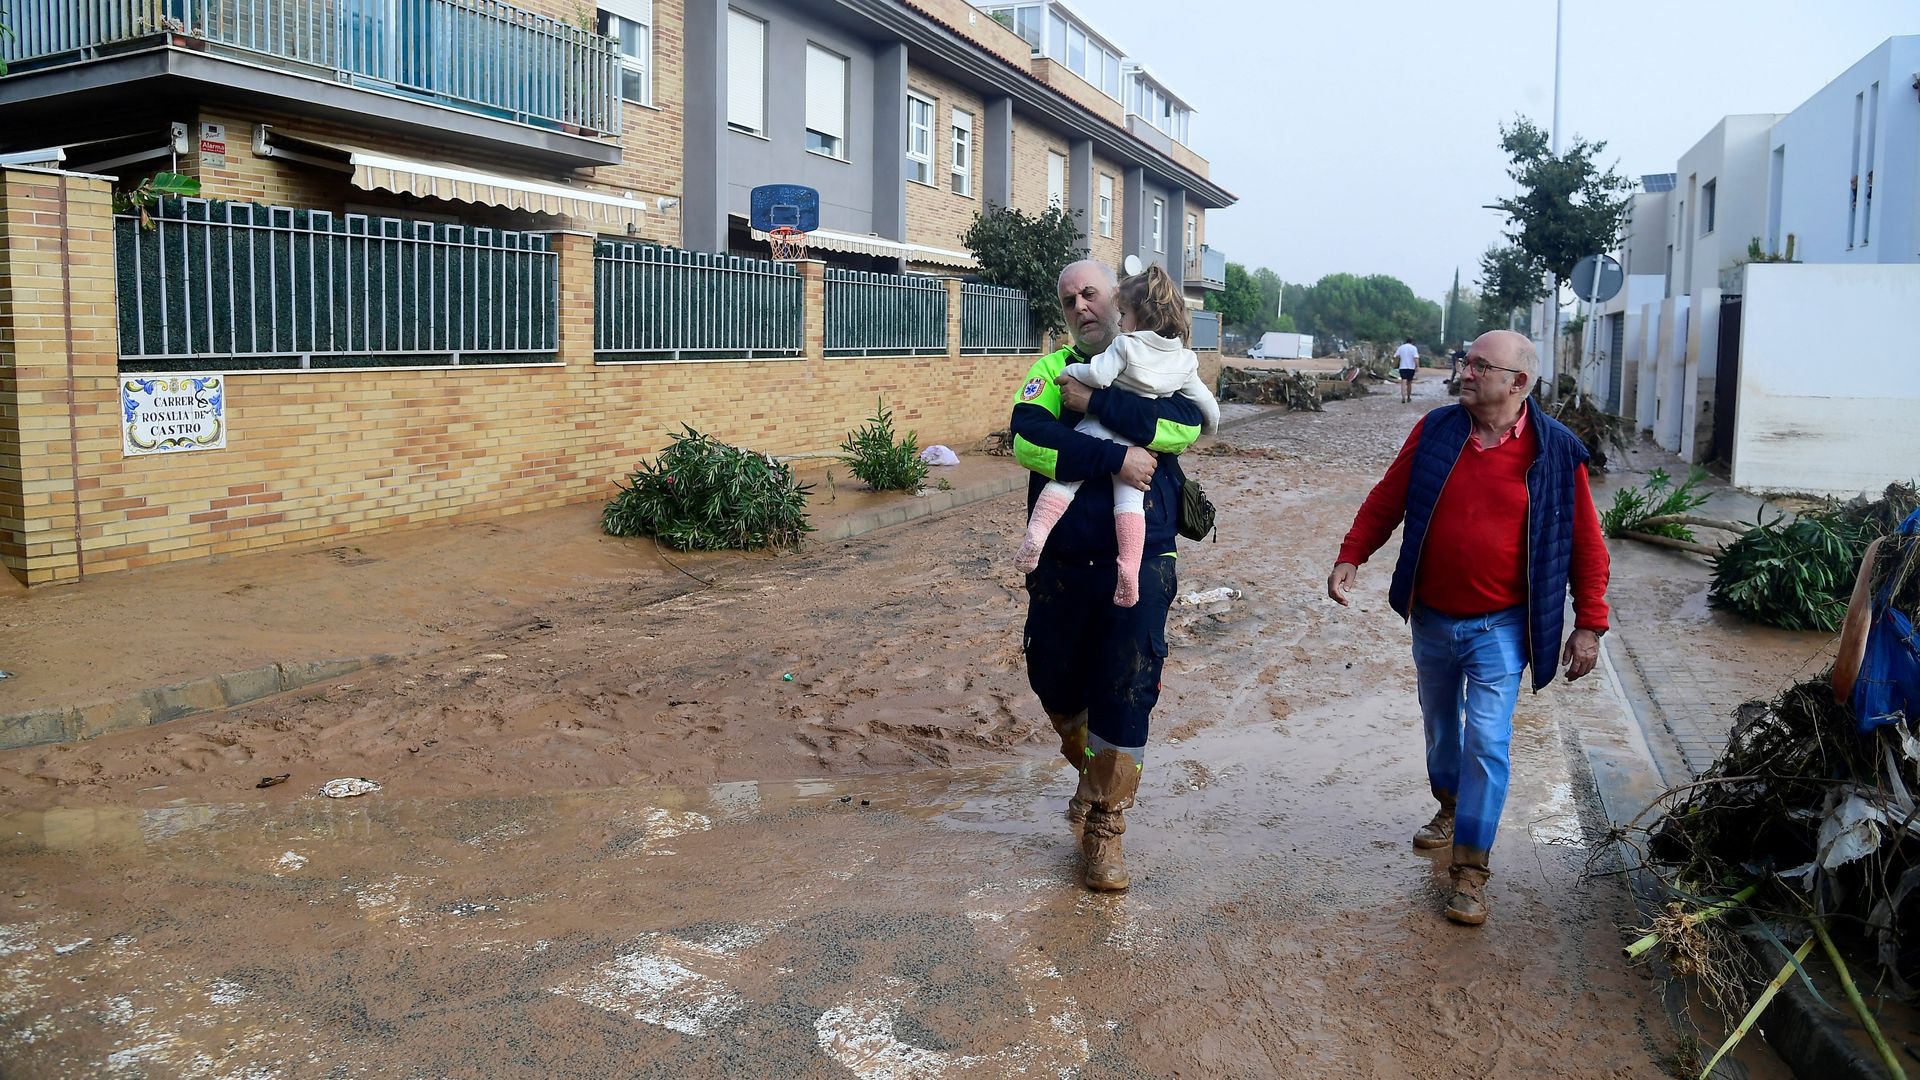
x,y
917,26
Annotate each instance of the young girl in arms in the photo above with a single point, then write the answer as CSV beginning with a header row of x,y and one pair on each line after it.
x,y
1149,358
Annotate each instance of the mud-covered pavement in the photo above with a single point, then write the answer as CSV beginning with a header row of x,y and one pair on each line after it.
x,y
619,843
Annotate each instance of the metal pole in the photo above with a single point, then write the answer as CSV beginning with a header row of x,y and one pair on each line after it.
x,y
1552,364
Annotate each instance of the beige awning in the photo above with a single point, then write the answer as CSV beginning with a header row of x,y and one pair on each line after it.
x,y
375,171
868,244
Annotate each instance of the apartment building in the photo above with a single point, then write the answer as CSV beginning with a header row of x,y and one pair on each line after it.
x,y
651,119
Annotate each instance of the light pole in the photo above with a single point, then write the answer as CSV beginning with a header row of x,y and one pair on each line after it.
x,y
1553,288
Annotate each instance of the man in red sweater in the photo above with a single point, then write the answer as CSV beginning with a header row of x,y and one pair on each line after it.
x,y
1500,527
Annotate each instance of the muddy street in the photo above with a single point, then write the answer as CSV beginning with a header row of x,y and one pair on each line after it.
x,y
615,840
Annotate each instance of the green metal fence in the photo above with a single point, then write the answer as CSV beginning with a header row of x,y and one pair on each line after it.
x,y
884,314
994,319
661,303
245,287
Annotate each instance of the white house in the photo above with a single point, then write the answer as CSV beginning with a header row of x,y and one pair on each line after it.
x,y
1843,172
1613,374
1718,204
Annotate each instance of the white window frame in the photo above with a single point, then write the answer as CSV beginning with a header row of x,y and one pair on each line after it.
x,y
738,92
1056,179
960,173
837,147
636,13
1106,205
1193,229
921,162
1160,226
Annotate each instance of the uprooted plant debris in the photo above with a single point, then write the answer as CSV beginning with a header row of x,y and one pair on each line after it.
x,y
1294,389
1797,574
1599,429
1804,830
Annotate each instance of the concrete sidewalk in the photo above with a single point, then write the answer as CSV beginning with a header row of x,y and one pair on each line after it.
x,y
129,649
1686,666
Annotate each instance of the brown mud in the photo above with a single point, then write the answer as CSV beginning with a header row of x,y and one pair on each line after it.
x,y
616,840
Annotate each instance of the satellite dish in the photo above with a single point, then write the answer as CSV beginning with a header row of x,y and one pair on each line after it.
x,y
1132,265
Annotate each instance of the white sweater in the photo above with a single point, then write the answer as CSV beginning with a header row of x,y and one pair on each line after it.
x,y
1152,366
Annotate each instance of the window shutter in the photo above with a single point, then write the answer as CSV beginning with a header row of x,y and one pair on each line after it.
x,y
746,72
826,92
1056,179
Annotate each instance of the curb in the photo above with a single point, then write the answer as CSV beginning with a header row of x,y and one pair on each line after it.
x,y
1810,1039
79,723
933,502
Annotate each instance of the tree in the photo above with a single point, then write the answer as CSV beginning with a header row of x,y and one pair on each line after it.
x,y
1378,308
1027,252
1567,208
1239,305
1270,293
1510,279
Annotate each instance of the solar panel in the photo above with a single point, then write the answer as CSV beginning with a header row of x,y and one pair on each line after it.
x,y
1658,182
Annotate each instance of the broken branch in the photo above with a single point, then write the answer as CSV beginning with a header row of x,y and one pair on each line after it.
x,y
1667,541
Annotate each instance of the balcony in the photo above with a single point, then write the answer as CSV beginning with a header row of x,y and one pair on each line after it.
x,y
1213,270
482,61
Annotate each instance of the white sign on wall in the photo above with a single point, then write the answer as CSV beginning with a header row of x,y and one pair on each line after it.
x,y
166,414
213,145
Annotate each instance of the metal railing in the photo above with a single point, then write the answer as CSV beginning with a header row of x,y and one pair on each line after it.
x,y
994,319
1213,267
1206,331
870,314
481,55
660,303
245,287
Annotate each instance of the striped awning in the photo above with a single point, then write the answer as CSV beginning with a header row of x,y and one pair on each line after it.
x,y
868,244
375,171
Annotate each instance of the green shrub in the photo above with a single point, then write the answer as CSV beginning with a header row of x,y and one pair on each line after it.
x,y
702,495
1796,576
1658,497
885,465
1799,575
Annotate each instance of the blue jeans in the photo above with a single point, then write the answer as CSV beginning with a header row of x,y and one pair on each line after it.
x,y
1469,671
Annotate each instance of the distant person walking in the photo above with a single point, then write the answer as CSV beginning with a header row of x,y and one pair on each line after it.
x,y
1409,357
1500,526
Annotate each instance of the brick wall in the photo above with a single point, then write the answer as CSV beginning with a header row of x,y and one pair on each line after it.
x,y
652,167
935,215
1031,142
1062,78
315,456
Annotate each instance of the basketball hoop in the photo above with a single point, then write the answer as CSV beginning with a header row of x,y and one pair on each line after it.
x,y
787,243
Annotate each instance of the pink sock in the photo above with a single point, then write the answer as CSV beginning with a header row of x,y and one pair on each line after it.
x,y
1046,514
1130,532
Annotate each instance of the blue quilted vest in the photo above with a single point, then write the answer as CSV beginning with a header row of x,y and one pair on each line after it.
x,y
1550,508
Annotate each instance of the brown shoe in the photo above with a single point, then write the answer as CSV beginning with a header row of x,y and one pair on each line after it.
x,y
1437,833
1114,777
1468,905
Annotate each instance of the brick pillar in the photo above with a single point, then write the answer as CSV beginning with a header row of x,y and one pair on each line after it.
x,y
813,310
58,394
953,318
576,297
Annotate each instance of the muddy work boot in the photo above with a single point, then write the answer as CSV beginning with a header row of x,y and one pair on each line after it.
x,y
1437,833
1073,747
1113,777
1468,905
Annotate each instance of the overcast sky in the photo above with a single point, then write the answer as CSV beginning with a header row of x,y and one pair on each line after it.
x,y
1361,135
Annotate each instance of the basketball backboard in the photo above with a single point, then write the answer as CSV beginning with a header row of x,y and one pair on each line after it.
x,y
793,206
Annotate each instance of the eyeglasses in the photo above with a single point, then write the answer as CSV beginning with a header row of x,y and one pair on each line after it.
x,y
1481,367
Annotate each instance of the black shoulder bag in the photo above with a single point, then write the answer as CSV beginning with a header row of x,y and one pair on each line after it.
x,y
1196,510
